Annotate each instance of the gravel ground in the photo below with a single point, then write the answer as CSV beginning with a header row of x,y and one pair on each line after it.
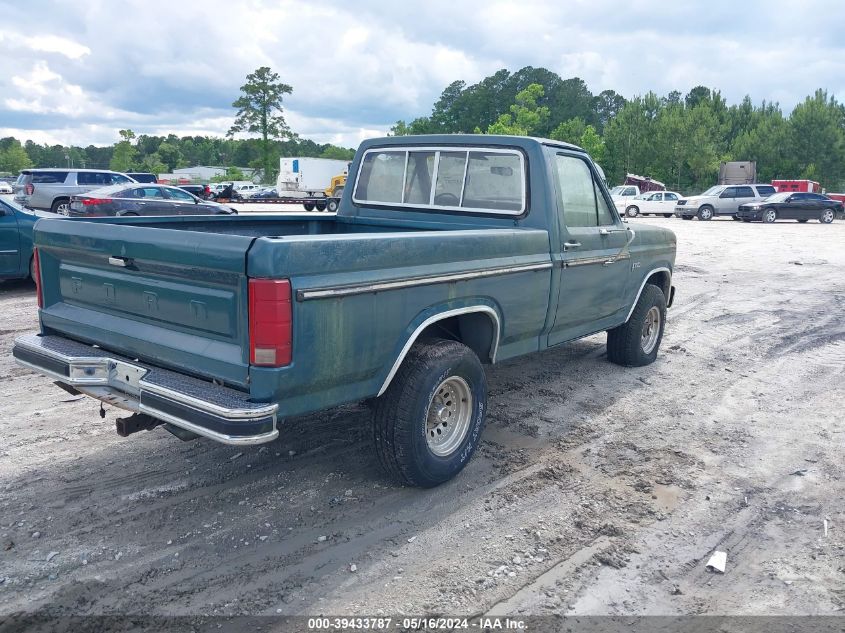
x,y
596,490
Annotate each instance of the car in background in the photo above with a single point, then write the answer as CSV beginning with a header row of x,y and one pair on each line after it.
x,y
247,190
52,189
142,199
16,222
799,206
653,203
5,187
721,200
142,176
267,192
200,191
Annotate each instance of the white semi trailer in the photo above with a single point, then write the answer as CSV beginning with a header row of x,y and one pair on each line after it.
x,y
307,177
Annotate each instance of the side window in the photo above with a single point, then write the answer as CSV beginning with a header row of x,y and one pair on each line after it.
x,y
730,192
179,194
117,179
577,192
93,178
656,197
605,216
49,177
765,191
745,192
381,177
670,196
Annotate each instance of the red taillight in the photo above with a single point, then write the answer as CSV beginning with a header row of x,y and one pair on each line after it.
x,y
88,202
29,189
36,274
269,322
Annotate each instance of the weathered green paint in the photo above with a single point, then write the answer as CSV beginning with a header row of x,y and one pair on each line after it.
x,y
182,301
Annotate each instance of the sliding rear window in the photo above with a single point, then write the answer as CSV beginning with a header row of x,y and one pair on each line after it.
x,y
481,180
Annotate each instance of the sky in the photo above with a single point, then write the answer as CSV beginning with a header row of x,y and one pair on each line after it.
x,y
77,72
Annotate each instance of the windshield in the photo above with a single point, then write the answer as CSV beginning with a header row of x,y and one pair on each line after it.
x,y
778,197
713,191
616,191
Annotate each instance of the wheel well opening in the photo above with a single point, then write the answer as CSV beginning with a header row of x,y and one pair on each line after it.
x,y
476,330
662,280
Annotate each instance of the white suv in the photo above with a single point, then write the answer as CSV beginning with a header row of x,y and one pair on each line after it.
x,y
51,189
721,200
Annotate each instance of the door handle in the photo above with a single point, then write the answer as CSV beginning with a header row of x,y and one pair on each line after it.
x,y
603,231
569,245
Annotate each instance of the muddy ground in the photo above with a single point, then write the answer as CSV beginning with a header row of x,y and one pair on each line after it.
x,y
597,489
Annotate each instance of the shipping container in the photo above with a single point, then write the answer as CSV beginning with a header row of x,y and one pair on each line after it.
x,y
307,176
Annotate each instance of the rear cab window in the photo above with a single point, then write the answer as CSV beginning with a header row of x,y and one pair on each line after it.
x,y
479,180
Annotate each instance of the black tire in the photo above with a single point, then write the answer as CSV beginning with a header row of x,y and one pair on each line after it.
x,y
632,211
308,206
625,343
320,205
803,220
32,269
667,215
769,215
331,205
746,220
60,202
733,217
827,216
400,418
705,213
686,217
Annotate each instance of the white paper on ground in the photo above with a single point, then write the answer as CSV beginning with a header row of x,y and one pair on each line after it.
x,y
717,562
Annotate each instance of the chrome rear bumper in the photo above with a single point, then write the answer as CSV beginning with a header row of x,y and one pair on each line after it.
x,y
214,411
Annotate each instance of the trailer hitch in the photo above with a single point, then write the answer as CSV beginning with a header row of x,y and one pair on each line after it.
x,y
134,423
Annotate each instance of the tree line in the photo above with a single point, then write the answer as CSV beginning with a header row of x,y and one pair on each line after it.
x,y
678,139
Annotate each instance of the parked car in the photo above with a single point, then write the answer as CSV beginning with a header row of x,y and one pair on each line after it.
x,y
200,191
247,190
16,222
51,189
721,200
5,187
270,192
653,203
142,199
792,206
438,261
142,176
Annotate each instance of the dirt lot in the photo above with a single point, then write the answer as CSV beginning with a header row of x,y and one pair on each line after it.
x,y
597,490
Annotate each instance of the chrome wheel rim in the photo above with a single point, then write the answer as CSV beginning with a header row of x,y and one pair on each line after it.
x,y
449,415
770,216
827,216
63,208
651,329
705,214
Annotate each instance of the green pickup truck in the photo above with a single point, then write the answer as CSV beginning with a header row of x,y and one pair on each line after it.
x,y
447,253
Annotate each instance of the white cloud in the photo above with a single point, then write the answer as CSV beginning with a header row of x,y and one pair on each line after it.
x,y
357,67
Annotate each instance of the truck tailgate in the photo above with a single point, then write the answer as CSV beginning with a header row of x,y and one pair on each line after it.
x,y
173,298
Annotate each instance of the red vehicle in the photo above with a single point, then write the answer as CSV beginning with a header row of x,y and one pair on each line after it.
x,y
644,183
805,186
837,196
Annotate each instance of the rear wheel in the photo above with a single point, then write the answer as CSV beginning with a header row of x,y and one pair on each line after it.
x,y
338,192
827,216
667,215
802,220
705,213
632,211
428,423
686,217
331,205
309,206
769,216
635,343
60,206
320,205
